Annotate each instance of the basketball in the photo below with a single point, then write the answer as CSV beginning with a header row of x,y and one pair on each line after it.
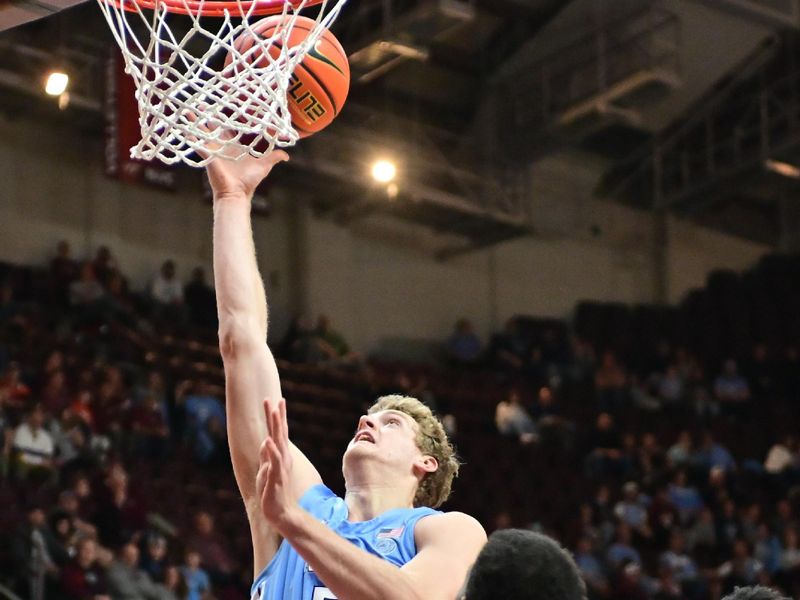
x,y
319,85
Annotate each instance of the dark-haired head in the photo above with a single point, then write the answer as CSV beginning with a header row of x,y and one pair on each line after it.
x,y
516,564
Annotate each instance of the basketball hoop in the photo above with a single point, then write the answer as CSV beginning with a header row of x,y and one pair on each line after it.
x,y
191,110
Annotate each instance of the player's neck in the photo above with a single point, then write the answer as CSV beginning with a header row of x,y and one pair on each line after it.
x,y
365,502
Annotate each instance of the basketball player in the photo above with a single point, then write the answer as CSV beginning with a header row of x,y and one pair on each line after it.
x,y
384,540
517,564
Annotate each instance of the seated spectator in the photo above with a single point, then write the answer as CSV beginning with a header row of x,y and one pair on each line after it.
x,y
703,533
86,292
783,457
166,290
83,577
464,347
200,300
65,535
175,583
149,431
126,581
622,549
120,304
650,460
83,408
63,271
630,583
667,586
681,564
211,549
767,549
54,395
591,569
729,527
155,387
671,387
510,349
104,265
789,558
197,581
549,420
717,490
69,505
680,452
663,515
684,497
611,383
713,454
34,551
742,569
13,389
632,510
33,447
731,389
119,515
204,415
154,558
513,420
605,443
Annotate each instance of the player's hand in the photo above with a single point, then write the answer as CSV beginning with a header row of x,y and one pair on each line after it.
x,y
241,177
229,177
273,482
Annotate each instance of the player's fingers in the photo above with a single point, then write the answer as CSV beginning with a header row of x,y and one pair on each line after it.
x,y
276,156
284,425
267,418
275,471
275,426
263,452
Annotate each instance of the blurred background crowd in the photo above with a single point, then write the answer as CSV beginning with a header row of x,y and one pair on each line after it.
x,y
657,444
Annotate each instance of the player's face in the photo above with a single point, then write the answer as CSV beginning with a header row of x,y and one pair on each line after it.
x,y
389,435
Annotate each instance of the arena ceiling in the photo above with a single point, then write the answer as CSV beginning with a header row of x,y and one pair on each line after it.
x,y
472,92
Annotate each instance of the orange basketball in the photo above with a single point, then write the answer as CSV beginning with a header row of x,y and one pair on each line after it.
x,y
319,85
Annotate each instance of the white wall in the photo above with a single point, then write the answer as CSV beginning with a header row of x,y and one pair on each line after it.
x,y
53,187
377,279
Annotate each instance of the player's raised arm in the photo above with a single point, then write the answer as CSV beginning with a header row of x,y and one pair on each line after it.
x,y
250,371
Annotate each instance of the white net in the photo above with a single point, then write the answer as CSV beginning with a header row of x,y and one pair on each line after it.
x,y
192,106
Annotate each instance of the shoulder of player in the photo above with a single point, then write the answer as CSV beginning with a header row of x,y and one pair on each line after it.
x,y
453,527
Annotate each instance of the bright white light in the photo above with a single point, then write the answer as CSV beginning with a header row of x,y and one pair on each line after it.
x,y
383,171
782,168
57,83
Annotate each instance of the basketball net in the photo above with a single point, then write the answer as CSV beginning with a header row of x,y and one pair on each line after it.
x,y
191,112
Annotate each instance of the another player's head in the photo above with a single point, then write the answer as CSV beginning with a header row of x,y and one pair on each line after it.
x,y
755,593
516,564
401,441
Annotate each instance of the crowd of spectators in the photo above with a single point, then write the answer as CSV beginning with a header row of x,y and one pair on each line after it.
x,y
674,511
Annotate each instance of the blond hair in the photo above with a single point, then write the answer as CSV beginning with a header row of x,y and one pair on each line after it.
x,y
432,440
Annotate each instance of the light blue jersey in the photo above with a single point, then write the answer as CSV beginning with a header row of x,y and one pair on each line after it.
x,y
389,536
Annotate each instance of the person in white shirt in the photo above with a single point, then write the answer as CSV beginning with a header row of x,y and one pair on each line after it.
x,y
166,287
782,456
33,445
167,294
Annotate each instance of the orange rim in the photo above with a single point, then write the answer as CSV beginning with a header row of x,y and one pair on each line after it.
x,y
214,8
